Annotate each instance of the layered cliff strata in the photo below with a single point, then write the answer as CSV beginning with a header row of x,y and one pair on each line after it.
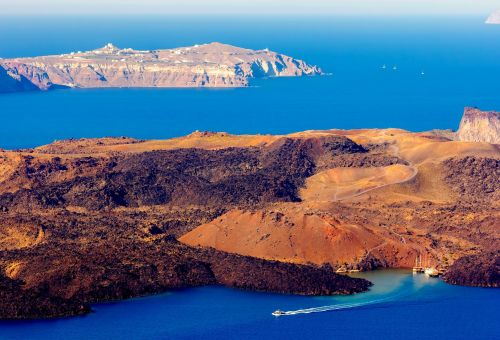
x,y
479,126
209,65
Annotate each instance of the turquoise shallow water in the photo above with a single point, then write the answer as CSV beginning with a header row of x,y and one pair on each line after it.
x,y
459,56
399,306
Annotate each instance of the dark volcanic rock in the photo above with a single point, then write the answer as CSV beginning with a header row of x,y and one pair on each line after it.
x,y
233,176
62,279
474,177
286,278
103,228
481,270
19,303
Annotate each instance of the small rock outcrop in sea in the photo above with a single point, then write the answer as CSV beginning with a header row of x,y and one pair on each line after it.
x,y
494,18
209,65
479,126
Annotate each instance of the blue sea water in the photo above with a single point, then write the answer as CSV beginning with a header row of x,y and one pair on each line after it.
x,y
399,306
460,57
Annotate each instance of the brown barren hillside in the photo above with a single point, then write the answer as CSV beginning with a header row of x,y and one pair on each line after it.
x,y
97,219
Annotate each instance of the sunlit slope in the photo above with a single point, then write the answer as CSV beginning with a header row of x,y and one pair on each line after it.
x,y
294,234
317,231
341,183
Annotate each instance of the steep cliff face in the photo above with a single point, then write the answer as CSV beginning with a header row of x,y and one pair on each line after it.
x,y
479,126
29,76
494,18
14,83
210,65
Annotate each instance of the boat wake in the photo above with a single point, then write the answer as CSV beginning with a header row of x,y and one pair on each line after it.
x,y
329,308
377,300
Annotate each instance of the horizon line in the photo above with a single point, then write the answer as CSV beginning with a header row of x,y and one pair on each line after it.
x,y
363,15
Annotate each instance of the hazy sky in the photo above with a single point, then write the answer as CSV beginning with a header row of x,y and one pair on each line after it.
x,y
392,7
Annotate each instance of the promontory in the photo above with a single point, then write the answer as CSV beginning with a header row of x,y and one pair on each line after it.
x,y
208,65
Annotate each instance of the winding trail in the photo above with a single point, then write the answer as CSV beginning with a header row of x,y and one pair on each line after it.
x,y
396,153
344,183
409,178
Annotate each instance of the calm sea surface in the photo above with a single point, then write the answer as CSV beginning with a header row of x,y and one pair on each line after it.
x,y
460,58
399,306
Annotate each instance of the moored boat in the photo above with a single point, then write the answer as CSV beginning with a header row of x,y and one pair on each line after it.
x,y
431,271
418,265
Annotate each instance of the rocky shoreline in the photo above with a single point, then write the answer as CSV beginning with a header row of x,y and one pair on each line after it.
x,y
92,220
89,276
478,270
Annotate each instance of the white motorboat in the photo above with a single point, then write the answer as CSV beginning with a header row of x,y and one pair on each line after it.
x,y
278,312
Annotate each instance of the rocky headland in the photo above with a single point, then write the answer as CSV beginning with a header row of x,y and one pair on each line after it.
x,y
209,65
479,126
89,220
482,270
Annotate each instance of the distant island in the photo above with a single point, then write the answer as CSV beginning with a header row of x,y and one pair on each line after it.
x,y
91,220
208,65
494,18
